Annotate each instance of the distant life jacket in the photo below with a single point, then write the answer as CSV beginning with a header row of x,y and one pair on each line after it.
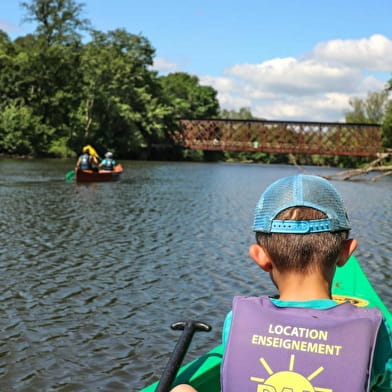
x,y
286,349
85,162
107,164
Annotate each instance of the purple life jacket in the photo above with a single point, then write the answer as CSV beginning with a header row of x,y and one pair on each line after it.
x,y
276,349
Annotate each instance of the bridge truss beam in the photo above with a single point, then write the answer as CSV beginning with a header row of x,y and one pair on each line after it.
x,y
280,137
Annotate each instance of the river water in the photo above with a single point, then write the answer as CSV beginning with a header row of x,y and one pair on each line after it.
x,y
93,275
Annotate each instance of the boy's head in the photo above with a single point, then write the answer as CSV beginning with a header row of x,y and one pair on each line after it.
x,y
301,222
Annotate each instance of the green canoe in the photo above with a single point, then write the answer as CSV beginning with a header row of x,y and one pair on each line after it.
x,y
350,283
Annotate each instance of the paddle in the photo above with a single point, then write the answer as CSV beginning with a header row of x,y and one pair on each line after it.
x,y
189,327
70,175
91,150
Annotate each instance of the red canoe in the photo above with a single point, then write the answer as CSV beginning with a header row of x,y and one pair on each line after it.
x,y
99,176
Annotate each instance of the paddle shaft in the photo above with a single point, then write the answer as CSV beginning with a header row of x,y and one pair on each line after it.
x,y
189,327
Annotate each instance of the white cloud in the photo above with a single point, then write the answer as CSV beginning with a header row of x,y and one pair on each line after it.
x,y
231,102
229,94
323,107
370,83
222,84
297,77
164,66
373,53
316,87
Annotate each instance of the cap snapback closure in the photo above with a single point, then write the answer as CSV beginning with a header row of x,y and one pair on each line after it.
x,y
300,227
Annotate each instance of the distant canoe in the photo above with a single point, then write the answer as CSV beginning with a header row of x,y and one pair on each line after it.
x,y
99,176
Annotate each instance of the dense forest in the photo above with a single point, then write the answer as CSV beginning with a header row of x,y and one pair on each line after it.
x,y
67,85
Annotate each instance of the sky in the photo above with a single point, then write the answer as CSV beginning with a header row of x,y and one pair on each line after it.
x,y
296,60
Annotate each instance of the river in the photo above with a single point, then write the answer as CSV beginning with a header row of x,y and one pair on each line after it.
x,y
93,275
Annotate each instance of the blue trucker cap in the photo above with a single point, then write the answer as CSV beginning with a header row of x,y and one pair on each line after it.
x,y
296,191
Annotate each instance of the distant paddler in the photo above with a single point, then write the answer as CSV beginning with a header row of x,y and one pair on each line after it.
x,y
88,160
108,162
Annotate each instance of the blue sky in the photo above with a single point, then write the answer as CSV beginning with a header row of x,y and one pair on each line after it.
x,y
282,59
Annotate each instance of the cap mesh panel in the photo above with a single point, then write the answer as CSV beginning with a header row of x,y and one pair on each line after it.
x,y
301,190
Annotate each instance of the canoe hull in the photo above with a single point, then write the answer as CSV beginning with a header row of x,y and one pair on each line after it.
x,y
99,176
350,284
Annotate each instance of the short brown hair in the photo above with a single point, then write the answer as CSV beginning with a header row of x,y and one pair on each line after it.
x,y
302,252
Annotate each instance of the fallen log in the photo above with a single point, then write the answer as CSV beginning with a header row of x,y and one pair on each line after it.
x,y
375,166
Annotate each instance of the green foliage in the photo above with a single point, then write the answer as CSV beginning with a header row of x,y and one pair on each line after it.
x,y
120,104
43,71
368,111
58,21
193,155
242,114
386,128
101,92
21,132
59,148
187,98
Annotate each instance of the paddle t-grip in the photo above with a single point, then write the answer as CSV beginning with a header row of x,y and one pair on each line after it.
x,y
189,327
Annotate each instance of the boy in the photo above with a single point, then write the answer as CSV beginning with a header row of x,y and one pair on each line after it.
x,y
108,162
302,340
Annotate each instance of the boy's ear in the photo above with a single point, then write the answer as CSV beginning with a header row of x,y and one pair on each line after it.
x,y
260,257
347,249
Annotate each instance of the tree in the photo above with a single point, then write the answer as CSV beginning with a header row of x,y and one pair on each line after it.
x,y
376,106
242,114
387,128
7,67
22,132
57,92
370,110
121,107
48,65
357,113
188,98
387,124
58,21
48,80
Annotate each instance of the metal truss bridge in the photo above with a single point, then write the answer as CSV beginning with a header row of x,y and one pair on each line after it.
x,y
296,137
